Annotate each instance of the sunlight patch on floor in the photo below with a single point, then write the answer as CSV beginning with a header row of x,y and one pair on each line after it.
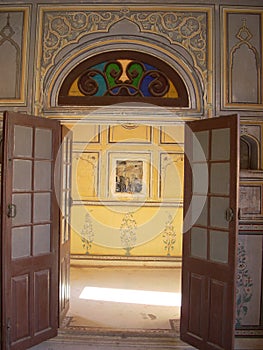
x,y
131,296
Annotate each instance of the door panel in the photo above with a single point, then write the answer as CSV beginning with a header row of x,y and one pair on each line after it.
x,y
30,231
210,230
65,207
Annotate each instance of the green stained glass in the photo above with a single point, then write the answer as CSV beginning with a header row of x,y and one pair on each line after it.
x,y
112,72
135,71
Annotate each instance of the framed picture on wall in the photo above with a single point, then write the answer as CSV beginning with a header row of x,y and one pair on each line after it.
x,y
129,175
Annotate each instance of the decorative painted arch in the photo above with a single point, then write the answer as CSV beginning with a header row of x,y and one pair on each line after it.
x,y
123,76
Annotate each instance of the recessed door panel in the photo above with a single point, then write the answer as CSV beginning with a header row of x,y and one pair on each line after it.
x,y
218,292
20,318
42,292
197,290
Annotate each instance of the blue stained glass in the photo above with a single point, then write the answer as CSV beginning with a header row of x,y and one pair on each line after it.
x,y
101,84
145,85
132,90
116,90
148,67
99,66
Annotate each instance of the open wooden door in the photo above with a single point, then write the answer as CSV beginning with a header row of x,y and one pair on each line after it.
x,y
210,232
65,207
30,231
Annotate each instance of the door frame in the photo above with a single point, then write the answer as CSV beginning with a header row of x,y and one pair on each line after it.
x,y
1,276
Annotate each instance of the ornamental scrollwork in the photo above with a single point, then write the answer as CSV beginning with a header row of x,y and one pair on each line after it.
x,y
118,79
188,29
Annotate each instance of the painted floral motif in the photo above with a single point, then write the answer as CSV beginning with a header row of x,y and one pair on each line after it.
x,y
87,234
183,27
169,236
128,232
244,287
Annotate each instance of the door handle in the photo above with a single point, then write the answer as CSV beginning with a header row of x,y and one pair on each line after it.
x,y
229,215
11,210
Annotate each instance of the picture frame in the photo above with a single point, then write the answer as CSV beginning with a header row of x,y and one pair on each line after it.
x,y
129,175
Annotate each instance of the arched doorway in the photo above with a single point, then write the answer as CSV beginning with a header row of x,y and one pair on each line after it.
x,y
121,88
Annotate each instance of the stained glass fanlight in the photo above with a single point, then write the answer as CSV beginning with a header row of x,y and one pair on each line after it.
x,y
123,76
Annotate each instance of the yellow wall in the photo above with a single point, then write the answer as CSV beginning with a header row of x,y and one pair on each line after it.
x,y
143,223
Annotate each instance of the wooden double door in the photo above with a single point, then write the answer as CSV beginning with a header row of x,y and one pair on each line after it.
x,y
35,235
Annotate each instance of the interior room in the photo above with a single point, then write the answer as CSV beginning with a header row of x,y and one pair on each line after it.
x,y
131,174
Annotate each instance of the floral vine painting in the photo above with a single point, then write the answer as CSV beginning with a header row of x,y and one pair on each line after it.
x,y
87,234
244,287
128,233
169,236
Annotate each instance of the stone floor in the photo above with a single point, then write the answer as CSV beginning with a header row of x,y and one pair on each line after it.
x,y
105,297
99,323
78,341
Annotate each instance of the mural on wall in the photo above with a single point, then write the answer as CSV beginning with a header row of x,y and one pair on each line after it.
x,y
171,174
129,176
169,235
117,231
128,233
13,50
87,234
85,176
244,285
249,280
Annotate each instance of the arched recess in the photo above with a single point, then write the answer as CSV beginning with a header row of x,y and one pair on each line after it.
x,y
249,153
178,63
